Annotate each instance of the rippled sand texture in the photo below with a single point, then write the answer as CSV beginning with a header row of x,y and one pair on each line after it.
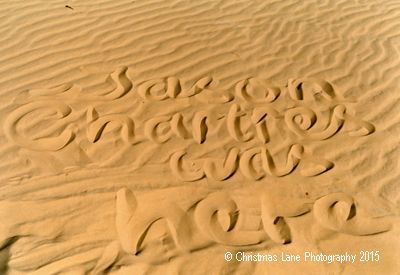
x,y
153,137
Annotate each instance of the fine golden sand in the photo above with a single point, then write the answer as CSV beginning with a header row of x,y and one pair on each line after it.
x,y
199,137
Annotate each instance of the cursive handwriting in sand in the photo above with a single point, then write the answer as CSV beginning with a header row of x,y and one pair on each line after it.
x,y
163,110
335,212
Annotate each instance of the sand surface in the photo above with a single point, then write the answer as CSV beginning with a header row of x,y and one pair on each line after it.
x,y
199,137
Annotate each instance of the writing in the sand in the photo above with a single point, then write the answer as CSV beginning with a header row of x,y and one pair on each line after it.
x,y
221,169
216,219
251,110
260,98
198,127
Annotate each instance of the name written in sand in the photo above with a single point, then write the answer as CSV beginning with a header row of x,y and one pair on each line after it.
x,y
166,112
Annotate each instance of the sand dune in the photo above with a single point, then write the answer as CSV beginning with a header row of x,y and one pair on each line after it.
x,y
155,137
